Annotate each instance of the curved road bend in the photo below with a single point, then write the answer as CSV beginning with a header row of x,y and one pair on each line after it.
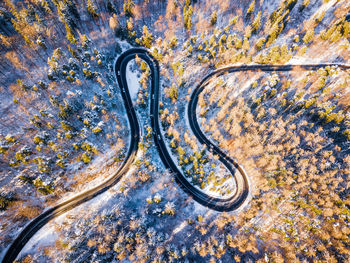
x,y
215,203
241,178
31,228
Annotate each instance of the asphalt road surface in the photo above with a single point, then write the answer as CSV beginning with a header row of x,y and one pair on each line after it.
x,y
238,173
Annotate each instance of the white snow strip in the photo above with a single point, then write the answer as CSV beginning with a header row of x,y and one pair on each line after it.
x,y
133,82
180,227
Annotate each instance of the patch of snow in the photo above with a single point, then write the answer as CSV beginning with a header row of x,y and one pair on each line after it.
x,y
302,60
133,82
180,227
42,238
70,93
124,45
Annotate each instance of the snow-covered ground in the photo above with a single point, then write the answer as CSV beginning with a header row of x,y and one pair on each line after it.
x,y
133,78
125,204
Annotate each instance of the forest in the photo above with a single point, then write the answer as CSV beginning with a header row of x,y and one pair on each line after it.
x,y
64,129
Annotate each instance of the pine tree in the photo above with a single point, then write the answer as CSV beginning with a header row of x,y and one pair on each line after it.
x,y
146,37
92,9
251,7
128,7
187,14
214,18
256,23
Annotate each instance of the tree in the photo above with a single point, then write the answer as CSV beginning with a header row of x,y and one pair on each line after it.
x,y
251,7
256,23
113,22
5,40
187,14
169,208
70,35
173,93
304,5
173,42
259,43
146,37
214,18
128,7
5,201
308,36
92,9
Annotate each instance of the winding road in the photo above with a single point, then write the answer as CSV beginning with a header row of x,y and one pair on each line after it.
x,y
219,204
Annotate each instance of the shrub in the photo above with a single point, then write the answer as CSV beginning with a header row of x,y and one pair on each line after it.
x,y
149,200
296,38
347,133
190,49
3,148
43,187
320,17
309,102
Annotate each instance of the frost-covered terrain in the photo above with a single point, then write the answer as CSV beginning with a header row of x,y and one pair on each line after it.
x,y
64,129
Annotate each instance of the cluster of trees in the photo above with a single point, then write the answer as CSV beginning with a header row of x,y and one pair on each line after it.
x,y
196,166
61,130
60,127
217,47
340,29
300,163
